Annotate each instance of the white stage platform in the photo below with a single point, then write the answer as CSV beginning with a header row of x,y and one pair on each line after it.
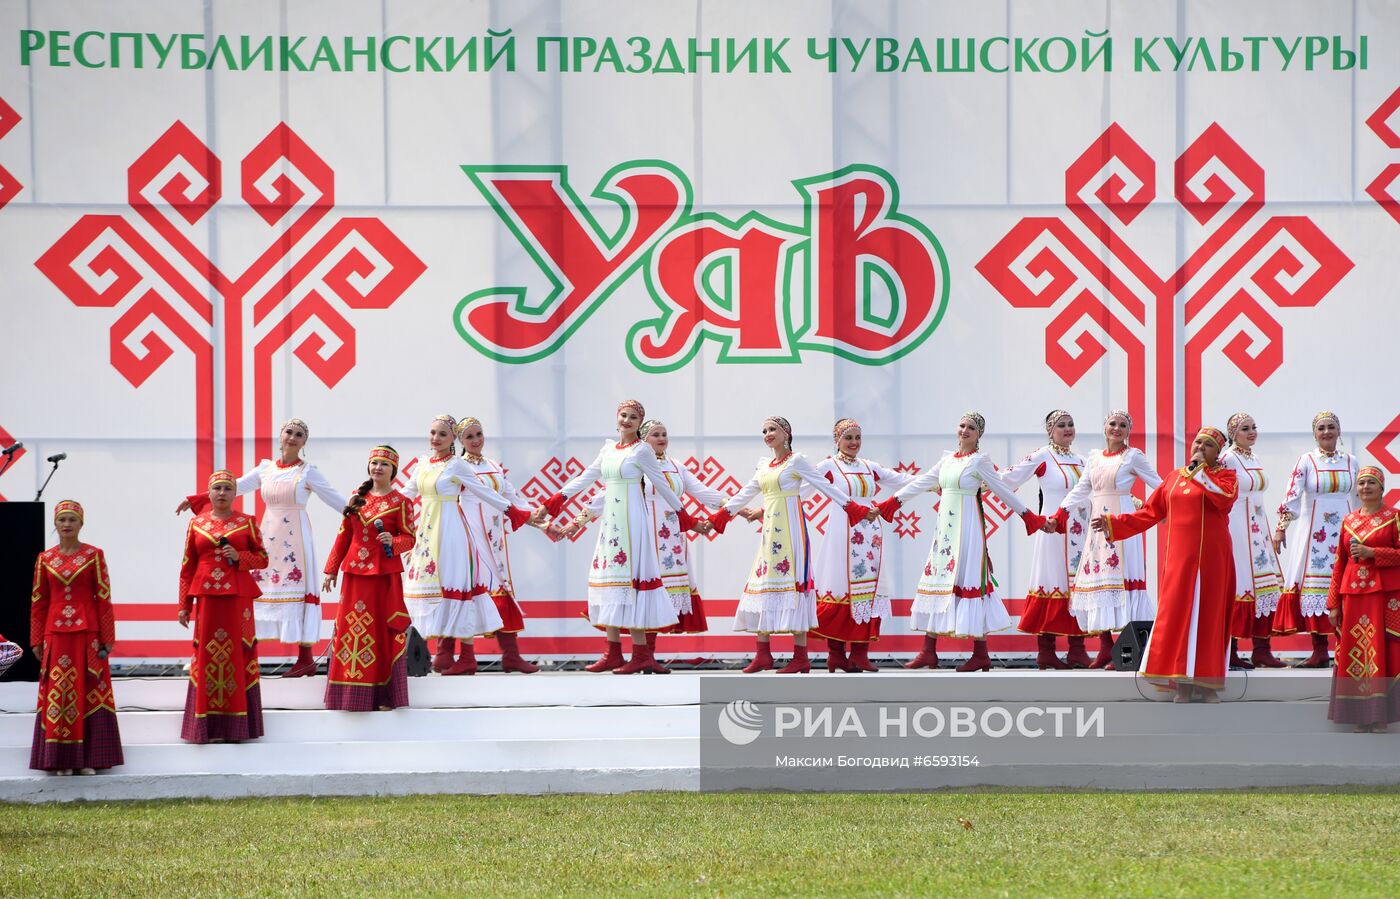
x,y
578,732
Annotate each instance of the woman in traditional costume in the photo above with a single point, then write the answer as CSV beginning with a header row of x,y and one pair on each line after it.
x,y
1055,553
1110,587
1321,491
449,577
625,590
72,630
779,597
957,596
367,668
1258,575
289,609
672,543
1363,603
1191,638
853,593
487,529
222,550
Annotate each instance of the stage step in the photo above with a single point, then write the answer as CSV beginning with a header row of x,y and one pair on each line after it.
x,y
310,727
578,732
583,690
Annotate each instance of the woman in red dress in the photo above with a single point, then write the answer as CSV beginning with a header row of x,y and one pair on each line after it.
x,y
1363,603
1191,639
72,630
367,668
222,548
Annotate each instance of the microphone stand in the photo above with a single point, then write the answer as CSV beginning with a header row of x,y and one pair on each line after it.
x,y
45,485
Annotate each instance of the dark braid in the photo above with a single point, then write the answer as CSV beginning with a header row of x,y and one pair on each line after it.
x,y
357,501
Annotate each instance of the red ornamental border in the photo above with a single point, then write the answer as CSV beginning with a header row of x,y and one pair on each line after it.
x,y
1379,123
1101,291
330,268
896,639
9,184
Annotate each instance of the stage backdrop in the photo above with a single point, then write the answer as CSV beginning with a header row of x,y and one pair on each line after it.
x,y
219,215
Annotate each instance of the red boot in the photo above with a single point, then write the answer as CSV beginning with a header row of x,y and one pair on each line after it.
x,y
656,667
979,661
610,660
1319,657
928,656
510,655
1045,653
836,657
1237,663
1104,659
762,660
800,664
1263,655
860,659
446,654
641,660
1077,657
466,661
305,664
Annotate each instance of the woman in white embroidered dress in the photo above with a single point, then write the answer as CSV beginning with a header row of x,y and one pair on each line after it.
x,y
289,609
625,590
1055,556
487,530
449,579
853,593
1110,587
957,596
672,544
1258,575
1321,491
778,597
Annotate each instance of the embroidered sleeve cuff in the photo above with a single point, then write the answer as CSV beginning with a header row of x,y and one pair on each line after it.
x,y
855,512
720,519
518,517
555,504
888,508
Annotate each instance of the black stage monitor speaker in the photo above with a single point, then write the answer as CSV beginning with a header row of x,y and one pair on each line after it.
x,y
416,655
22,535
1127,652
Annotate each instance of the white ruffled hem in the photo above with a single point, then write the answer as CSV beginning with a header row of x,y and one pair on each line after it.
x,y
471,617
776,613
1266,603
426,615
287,622
1135,605
454,617
647,610
974,618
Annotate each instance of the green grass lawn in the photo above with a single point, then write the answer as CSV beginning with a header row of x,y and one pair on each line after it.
x,y
1072,844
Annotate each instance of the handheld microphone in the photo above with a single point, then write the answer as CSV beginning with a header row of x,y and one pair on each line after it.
x,y
379,526
58,457
11,450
